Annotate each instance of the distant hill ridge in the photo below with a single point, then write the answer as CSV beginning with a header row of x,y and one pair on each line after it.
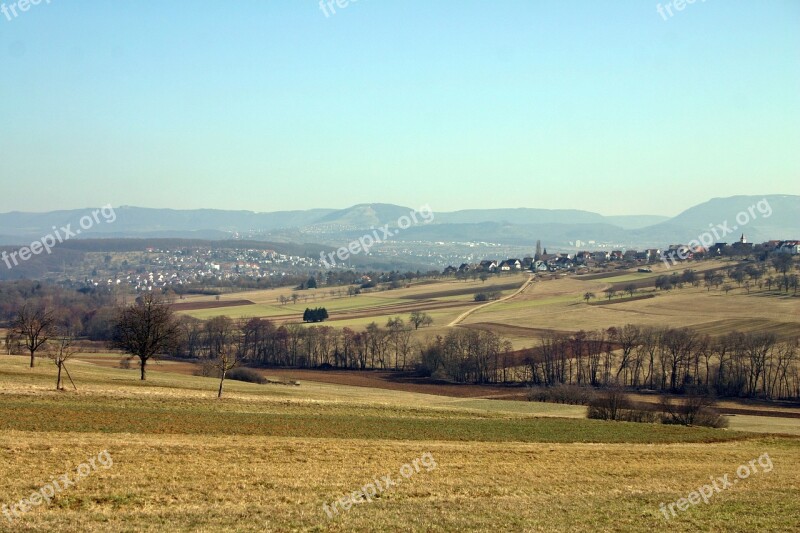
x,y
507,226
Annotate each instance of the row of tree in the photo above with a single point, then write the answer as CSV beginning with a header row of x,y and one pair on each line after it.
x,y
753,364
664,359
261,342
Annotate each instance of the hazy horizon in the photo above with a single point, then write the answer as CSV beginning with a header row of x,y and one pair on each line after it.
x,y
609,108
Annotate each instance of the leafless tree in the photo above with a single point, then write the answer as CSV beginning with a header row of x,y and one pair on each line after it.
x,y
146,329
61,349
34,326
628,337
630,289
693,409
225,361
609,404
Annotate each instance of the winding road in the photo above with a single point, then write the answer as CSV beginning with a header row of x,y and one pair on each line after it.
x,y
465,314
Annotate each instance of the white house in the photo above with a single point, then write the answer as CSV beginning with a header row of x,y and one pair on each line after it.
x,y
789,247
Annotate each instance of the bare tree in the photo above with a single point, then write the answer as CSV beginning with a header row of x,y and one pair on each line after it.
x,y
62,348
694,409
610,404
727,288
35,326
588,296
12,342
628,337
146,329
225,361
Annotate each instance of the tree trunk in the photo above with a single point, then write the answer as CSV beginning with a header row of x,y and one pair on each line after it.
x,y
143,362
58,380
221,381
33,352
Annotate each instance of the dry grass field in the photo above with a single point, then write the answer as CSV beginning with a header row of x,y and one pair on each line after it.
x,y
550,303
268,457
558,305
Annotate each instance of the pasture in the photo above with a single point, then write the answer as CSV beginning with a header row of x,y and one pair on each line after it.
x,y
551,303
267,457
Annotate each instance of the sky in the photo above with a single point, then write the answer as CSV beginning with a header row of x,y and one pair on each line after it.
x,y
275,105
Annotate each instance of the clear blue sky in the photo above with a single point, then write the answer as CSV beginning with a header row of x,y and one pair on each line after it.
x,y
269,105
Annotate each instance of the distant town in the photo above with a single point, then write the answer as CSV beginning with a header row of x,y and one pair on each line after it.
x,y
190,269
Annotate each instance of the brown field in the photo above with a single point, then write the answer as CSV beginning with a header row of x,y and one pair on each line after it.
x,y
408,382
267,458
557,305
193,306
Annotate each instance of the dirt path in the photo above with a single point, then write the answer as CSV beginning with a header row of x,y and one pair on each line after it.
x,y
465,314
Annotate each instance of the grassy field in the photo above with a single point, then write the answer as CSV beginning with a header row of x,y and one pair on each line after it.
x,y
558,305
267,457
550,303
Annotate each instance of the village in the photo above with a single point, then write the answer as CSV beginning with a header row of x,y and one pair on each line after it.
x,y
586,260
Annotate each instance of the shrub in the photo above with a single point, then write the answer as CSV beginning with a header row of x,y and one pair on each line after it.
x,y
566,394
207,370
609,405
247,374
694,409
486,296
639,415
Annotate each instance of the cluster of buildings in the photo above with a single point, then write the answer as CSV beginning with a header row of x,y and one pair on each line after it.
x,y
157,268
545,262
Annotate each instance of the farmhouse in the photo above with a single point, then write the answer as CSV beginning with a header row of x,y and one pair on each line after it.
x,y
510,264
789,247
539,266
488,265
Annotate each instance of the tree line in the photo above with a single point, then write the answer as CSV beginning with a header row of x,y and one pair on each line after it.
x,y
739,364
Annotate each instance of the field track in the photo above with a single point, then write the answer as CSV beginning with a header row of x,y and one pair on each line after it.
x,y
465,314
196,306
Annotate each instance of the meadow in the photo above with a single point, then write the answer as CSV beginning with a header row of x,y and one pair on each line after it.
x,y
550,303
270,457
267,457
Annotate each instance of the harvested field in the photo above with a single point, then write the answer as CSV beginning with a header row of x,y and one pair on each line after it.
x,y
193,306
622,300
466,291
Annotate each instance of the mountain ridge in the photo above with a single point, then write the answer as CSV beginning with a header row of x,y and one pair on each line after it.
x,y
767,217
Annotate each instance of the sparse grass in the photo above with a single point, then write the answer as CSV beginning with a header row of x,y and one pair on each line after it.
x,y
557,305
267,457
